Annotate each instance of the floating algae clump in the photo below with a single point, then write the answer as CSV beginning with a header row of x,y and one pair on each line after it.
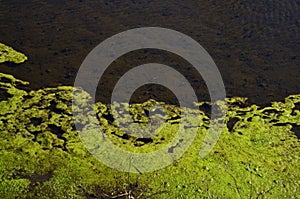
x,y
8,54
42,156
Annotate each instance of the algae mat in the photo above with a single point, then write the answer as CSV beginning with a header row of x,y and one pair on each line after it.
x,y
8,54
42,156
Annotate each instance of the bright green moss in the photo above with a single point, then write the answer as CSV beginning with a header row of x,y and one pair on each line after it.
x,y
13,188
42,155
8,54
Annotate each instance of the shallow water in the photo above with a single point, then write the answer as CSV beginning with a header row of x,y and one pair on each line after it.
x,y
255,44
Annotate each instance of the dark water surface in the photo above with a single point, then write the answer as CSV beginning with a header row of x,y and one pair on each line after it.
x,y
254,43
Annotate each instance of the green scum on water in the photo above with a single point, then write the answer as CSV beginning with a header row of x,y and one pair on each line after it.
x,y
42,156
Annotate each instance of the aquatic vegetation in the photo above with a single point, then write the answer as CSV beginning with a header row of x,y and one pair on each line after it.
x,y
8,54
42,155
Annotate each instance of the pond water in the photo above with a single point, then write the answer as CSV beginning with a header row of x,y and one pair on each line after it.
x,y
255,44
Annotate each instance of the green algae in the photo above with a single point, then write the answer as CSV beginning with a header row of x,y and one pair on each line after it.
x,y
42,155
8,54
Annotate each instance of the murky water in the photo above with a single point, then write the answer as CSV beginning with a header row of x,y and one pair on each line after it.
x,y
255,44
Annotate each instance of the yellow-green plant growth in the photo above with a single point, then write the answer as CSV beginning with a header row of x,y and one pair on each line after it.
x,y
42,156
8,54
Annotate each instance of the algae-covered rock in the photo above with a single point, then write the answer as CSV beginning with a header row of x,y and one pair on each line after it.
x,y
8,54
42,156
